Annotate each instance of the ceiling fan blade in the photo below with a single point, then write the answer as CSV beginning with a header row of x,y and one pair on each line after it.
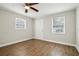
x,y
30,4
26,10
27,4
34,9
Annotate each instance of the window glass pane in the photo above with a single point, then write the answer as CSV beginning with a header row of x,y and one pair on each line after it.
x,y
58,24
20,23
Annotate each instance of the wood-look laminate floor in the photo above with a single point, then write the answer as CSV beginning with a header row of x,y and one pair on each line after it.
x,y
35,47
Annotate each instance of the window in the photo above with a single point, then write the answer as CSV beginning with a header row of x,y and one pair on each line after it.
x,y
20,23
58,25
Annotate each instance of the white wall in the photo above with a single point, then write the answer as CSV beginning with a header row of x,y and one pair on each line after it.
x,y
38,31
77,28
42,28
7,28
68,38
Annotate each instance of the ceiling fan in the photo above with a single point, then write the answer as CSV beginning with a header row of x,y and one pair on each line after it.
x,y
29,6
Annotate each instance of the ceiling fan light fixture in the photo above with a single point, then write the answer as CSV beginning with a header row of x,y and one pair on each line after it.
x,y
27,7
30,6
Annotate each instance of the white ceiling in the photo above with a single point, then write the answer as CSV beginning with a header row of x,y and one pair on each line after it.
x,y
44,8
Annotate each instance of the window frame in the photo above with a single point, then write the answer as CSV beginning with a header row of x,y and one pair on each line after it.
x,y
20,20
54,18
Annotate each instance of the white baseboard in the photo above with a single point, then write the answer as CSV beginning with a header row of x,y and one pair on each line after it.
x,y
57,42
6,44
10,43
